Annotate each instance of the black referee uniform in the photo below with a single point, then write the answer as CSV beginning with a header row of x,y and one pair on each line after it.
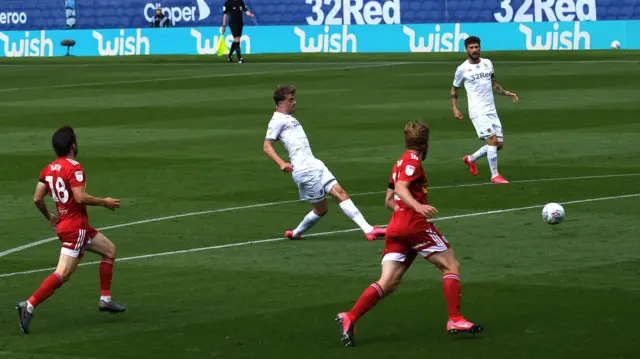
x,y
234,9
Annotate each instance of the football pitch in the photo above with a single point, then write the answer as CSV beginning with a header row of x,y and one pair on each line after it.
x,y
203,266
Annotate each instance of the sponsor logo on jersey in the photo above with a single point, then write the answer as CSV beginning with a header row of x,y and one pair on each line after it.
x,y
479,75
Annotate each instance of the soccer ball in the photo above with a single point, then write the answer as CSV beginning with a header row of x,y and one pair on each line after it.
x,y
553,213
615,44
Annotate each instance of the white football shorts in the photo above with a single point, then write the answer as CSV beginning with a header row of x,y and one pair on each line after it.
x,y
313,183
487,126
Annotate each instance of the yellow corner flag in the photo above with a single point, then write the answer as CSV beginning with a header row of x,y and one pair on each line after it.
x,y
221,47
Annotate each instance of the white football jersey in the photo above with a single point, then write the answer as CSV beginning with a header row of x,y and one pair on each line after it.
x,y
477,80
286,129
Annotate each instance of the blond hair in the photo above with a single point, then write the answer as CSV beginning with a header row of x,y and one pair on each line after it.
x,y
281,93
416,136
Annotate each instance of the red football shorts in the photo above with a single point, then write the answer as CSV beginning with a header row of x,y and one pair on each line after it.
x,y
74,243
405,248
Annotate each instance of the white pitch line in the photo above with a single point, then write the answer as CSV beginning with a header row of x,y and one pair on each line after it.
x,y
164,79
269,240
268,204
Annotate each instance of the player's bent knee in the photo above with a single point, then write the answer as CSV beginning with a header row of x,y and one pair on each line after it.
x,y
445,261
456,266
339,193
392,272
110,252
65,276
320,210
64,273
389,285
452,266
67,264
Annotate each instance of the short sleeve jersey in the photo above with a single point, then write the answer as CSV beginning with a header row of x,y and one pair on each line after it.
x,y
61,176
405,219
478,82
287,129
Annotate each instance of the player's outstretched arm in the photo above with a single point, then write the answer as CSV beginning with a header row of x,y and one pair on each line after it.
x,y
454,103
501,91
38,200
82,197
402,190
271,153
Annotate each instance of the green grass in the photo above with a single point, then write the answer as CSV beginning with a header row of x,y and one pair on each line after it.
x,y
191,142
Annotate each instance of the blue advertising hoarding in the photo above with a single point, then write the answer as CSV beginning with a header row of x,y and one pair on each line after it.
x,y
336,38
110,14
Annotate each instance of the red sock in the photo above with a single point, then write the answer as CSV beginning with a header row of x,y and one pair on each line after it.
x,y
106,274
452,293
369,298
48,286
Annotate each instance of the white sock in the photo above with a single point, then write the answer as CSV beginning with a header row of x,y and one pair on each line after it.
x,y
105,298
30,308
354,214
307,222
479,153
492,155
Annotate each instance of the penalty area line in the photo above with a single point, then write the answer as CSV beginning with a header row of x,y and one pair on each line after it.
x,y
320,234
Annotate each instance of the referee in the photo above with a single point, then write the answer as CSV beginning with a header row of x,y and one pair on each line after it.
x,y
234,9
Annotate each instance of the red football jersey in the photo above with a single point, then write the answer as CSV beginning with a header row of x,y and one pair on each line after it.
x,y
60,176
405,219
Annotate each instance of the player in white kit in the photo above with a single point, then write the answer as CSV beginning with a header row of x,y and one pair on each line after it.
x,y
480,84
313,178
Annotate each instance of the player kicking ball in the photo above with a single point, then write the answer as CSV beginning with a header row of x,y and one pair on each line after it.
x,y
410,234
65,181
480,83
313,178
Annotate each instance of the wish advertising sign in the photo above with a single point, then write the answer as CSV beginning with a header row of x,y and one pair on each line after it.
x,y
325,38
